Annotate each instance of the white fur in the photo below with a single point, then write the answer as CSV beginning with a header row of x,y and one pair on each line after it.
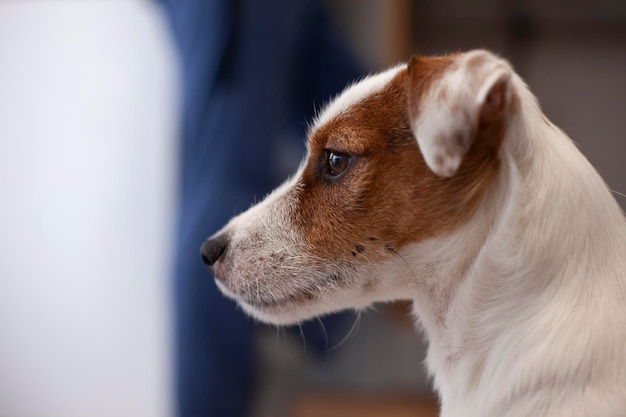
x,y
524,306
537,324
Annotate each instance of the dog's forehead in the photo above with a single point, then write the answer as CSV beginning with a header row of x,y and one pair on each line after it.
x,y
378,103
356,93
360,119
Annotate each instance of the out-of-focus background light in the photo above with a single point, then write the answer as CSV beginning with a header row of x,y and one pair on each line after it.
x,y
87,144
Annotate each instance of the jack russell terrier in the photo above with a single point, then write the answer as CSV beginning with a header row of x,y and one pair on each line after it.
x,y
441,181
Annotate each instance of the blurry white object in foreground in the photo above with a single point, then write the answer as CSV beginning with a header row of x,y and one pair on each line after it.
x,y
87,152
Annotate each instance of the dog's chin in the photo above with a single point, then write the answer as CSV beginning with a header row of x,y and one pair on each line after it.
x,y
292,310
279,315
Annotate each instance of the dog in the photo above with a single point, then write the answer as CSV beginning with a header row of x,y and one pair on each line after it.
x,y
441,181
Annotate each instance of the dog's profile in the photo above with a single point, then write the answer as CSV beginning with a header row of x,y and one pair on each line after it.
x,y
441,181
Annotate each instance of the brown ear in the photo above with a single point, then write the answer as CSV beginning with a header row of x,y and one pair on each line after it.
x,y
473,89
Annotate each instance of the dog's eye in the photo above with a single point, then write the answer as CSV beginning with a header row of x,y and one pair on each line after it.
x,y
337,163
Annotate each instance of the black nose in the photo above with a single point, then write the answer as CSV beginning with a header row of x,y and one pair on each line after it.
x,y
213,248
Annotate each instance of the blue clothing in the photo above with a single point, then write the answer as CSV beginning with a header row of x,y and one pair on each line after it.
x,y
252,72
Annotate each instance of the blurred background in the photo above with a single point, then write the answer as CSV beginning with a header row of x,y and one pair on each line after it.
x,y
131,129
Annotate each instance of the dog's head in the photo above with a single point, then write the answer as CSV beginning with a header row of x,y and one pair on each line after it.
x,y
400,158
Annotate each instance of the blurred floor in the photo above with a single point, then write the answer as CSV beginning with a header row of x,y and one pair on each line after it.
x,y
378,366
329,405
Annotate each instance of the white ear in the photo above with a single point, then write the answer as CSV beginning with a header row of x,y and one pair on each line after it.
x,y
474,89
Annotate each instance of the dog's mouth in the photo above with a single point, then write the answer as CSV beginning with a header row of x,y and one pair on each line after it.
x,y
313,292
300,297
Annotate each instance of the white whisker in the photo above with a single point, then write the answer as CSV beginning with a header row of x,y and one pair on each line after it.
x,y
302,337
618,193
350,333
324,332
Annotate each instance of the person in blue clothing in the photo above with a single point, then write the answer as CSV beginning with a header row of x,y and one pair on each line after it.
x,y
252,72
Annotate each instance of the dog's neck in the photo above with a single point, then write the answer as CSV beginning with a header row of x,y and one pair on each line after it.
x,y
526,240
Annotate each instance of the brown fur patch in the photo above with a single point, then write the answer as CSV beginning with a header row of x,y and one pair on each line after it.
x,y
388,191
